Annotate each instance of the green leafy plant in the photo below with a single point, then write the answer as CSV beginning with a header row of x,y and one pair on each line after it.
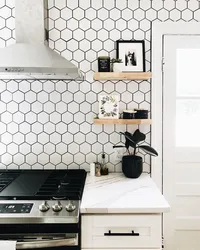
x,y
116,60
132,140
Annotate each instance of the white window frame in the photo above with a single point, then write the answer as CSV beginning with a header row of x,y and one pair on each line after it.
x,y
158,32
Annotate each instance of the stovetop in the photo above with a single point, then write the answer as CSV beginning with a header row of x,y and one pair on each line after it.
x,y
40,196
42,184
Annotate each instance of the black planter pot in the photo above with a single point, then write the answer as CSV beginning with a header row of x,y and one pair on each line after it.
x,y
132,166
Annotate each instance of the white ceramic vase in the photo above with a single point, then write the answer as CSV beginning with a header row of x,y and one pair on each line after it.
x,y
117,67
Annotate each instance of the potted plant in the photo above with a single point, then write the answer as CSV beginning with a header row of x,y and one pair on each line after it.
x,y
132,165
116,65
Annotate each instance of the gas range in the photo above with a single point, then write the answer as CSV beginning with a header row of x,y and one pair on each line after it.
x,y
41,196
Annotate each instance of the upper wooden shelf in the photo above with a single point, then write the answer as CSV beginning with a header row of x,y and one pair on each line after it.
x,y
123,121
100,76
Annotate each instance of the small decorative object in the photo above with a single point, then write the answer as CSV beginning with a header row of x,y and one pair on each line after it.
x,y
132,54
92,169
104,169
128,114
97,169
109,106
104,64
116,65
132,165
141,114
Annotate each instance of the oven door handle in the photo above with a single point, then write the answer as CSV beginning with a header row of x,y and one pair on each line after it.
x,y
47,243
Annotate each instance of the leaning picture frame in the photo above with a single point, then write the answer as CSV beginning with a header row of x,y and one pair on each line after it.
x,y
132,54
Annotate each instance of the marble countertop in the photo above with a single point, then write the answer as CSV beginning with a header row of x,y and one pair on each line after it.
x,y
115,193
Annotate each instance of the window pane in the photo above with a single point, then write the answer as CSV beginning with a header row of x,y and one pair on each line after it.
x,y
188,123
188,69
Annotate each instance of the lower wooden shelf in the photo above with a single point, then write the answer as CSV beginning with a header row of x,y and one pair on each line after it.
x,y
122,76
123,121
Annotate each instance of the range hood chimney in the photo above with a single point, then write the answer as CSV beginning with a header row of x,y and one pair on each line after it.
x,y
30,57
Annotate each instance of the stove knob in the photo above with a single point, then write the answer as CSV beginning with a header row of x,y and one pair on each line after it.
x,y
70,207
57,207
44,207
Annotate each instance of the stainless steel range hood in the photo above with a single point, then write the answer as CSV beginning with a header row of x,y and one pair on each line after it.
x,y
30,57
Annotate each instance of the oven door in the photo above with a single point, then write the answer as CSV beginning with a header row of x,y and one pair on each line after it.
x,y
42,236
44,242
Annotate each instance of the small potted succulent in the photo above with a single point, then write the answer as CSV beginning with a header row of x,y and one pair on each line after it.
x,y
116,65
132,165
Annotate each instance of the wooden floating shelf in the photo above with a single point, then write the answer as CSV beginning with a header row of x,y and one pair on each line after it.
x,y
123,121
117,76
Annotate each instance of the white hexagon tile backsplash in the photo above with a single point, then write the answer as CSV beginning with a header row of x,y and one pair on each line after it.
x,y
49,124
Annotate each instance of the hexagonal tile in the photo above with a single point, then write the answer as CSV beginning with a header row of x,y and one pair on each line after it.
x,y
30,97
175,15
97,24
97,45
115,14
43,138
61,148
61,107
54,13
73,128
151,14
73,107
48,86
31,158
78,35
6,117
43,117
12,86
91,13
85,148
91,138
67,158
3,127
121,24
97,148
43,158
6,159
18,138
187,15
73,148
49,107
85,107
84,45
55,117
79,138
103,138
61,127
12,107
42,97
55,138
24,128
60,45
80,158
6,138
60,24
12,148
67,138
37,128
31,138
6,96
37,107
49,148
66,13
73,87
25,148
102,14
37,148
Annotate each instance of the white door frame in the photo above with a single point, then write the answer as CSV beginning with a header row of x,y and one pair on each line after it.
x,y
158,32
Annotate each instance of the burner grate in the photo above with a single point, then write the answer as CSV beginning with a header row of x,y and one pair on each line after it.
x,y
63,184
7,177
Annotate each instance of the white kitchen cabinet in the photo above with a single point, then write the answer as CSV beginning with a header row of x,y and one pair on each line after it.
x,y
144,231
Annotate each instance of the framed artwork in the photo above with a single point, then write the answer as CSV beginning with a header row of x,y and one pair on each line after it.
x,y
132,54
109,107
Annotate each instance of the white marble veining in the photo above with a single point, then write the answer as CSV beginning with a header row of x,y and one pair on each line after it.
x,y
117,194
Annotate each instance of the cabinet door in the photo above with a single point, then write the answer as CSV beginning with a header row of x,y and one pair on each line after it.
x,y
121,232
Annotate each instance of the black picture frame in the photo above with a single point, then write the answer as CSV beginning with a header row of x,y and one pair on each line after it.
x,y
133,62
